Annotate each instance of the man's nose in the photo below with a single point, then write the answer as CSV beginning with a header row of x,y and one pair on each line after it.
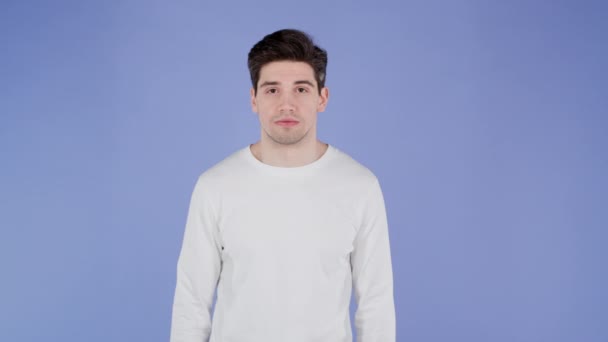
x,y
286,102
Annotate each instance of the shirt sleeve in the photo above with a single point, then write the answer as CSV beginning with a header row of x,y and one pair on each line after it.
x,y
198,270
372,273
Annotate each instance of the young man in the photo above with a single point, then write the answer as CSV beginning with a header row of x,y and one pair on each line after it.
x,y
284,228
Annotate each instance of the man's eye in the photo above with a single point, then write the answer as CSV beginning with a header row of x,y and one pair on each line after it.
x,y
272,91
302,90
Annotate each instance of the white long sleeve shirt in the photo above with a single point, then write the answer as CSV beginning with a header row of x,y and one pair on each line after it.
x,y
284,247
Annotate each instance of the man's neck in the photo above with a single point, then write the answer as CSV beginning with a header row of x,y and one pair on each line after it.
x,y
288,155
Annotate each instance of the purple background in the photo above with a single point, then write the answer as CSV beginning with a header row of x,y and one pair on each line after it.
x,y
484,121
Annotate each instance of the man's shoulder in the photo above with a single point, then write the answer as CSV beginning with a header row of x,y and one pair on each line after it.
x,y
342,168
227,168
350,169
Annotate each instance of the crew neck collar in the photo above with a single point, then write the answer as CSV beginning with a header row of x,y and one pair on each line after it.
x,y
289,171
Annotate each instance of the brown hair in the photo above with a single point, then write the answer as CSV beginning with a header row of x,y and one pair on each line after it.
x,y
290,45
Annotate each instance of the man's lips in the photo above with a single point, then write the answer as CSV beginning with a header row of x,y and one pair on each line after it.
x,y
287,123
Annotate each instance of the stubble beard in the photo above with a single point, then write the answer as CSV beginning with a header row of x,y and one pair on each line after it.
x,y
286,137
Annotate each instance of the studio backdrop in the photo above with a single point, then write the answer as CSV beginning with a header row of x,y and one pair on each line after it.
x,y
485,122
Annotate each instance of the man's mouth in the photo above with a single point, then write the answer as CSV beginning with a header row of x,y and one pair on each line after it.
x,y
287,123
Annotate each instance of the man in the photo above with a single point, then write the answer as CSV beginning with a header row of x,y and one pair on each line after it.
x,y
284,228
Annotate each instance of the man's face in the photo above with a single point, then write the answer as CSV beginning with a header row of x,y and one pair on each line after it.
x,y
288,91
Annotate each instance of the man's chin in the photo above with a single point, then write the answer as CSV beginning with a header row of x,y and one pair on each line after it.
x,y
286,140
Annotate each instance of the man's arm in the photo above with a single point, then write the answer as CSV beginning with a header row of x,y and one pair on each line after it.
x,y
372,273
198,270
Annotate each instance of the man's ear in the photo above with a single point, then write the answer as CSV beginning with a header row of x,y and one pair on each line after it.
x,y
254,105
323,98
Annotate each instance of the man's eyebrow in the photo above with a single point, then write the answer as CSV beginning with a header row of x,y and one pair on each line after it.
x,y
274,83
268,83
305,82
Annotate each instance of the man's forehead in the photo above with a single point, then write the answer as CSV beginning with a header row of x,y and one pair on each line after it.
x,y
286,70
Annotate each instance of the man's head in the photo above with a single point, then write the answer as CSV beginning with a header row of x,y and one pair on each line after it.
x,y
287,45
288,84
